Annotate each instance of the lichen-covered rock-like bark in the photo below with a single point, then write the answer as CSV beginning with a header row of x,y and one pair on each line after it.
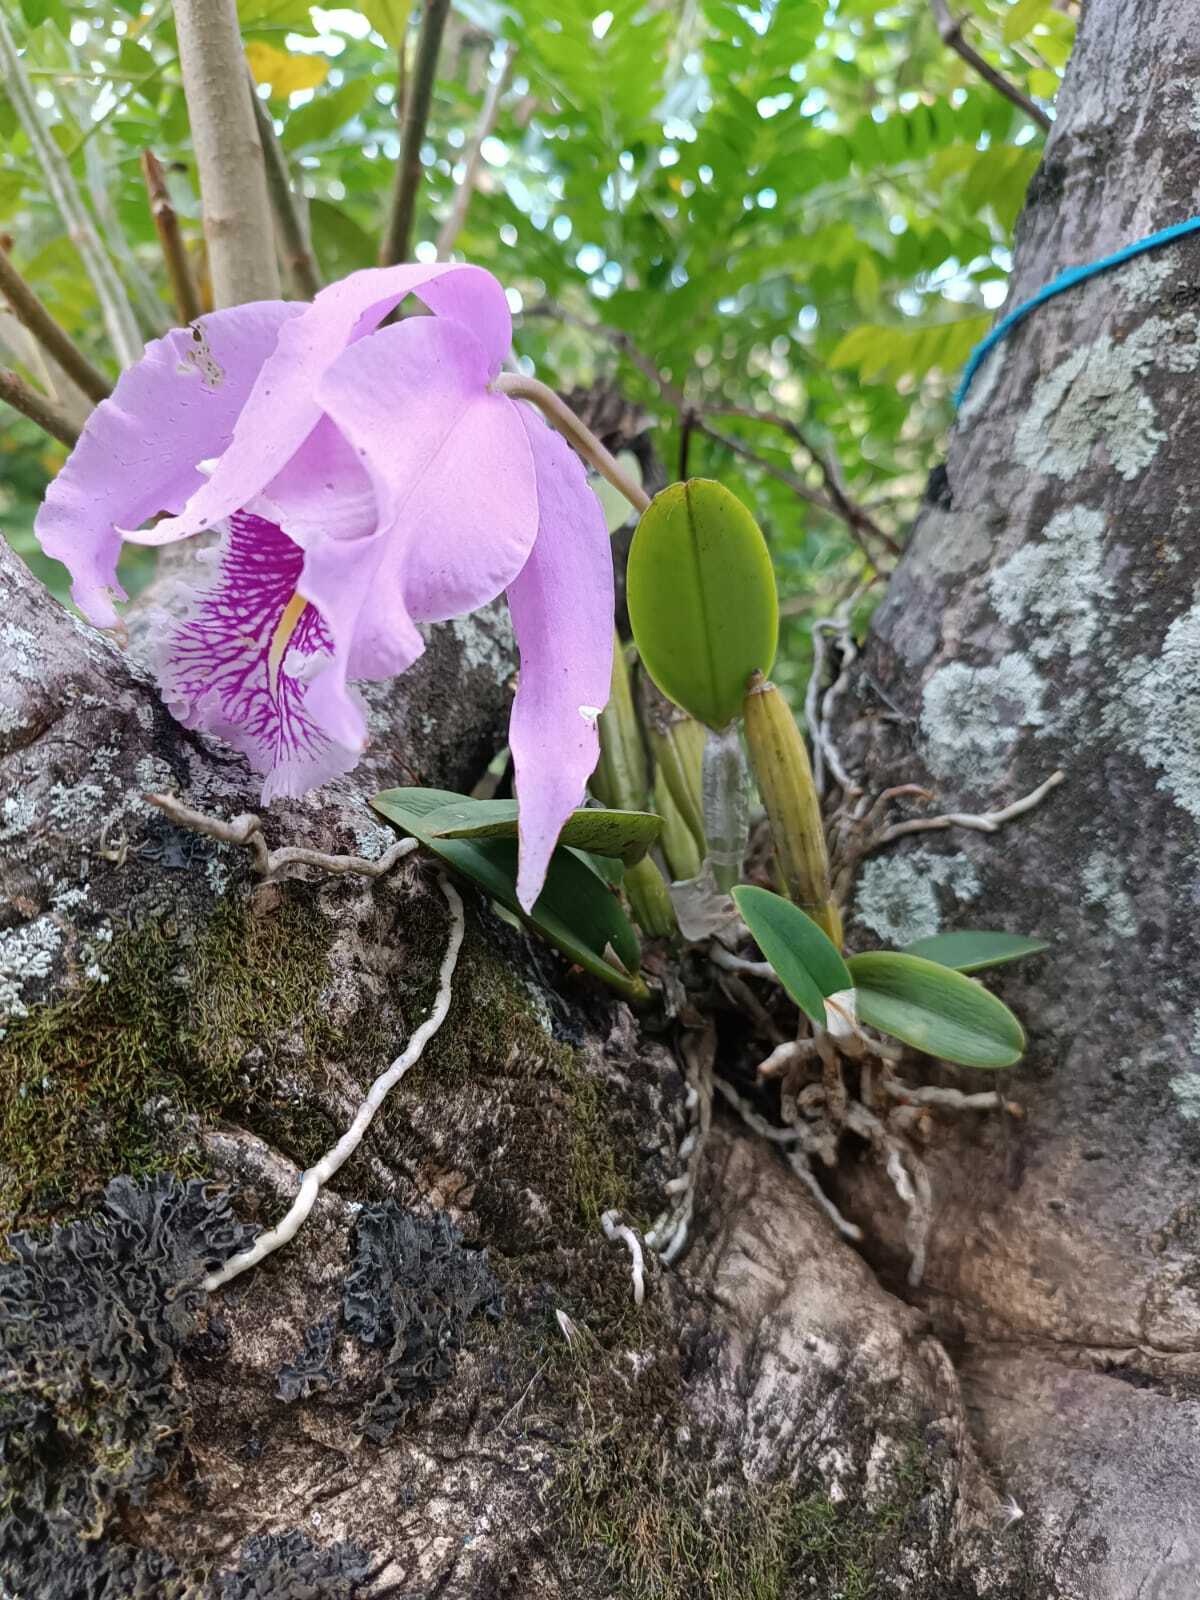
x,y
393,1405
1045,616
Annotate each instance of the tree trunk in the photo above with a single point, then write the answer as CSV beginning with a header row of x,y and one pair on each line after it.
x,y
1045,616
443,1386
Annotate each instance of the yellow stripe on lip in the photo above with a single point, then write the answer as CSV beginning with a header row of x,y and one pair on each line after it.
x,y
282,637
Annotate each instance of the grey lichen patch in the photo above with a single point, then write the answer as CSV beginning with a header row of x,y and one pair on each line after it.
x,y
1142,280
16,817
486,642
1101,880
972,717
1056,586
1155,711
22,657
982,385
1186,1089
898,896
26,954
1093,398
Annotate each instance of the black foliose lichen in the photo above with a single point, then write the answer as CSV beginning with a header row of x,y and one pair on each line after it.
x,y
312,1370
92,1319
288,1566
412,1287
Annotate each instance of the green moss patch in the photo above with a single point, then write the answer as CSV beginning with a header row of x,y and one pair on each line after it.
x,y
104,1081
648,1519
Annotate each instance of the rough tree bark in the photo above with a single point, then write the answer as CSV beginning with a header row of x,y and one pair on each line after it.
x,y
1045,616
769,1421
383,1410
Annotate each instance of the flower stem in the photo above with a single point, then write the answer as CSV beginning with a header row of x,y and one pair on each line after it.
x,y
560,415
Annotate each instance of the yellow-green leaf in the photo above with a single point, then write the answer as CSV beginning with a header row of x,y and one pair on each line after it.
x,y
284,71
972,949
388,17
807,962
1023,16
626,835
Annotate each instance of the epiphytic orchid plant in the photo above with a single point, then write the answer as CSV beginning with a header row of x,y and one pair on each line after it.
x,y
362,479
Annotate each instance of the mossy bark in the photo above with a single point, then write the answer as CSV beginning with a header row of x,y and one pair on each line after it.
x,y
481,1413
1044,617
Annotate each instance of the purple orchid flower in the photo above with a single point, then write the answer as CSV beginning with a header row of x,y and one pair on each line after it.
x,y
362,479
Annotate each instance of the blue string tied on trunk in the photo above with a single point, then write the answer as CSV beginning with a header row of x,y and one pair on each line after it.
x,y
1065,280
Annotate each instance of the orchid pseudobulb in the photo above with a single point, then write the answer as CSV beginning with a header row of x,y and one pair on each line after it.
x,y
363,479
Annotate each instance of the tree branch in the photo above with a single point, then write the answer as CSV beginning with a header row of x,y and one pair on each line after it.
x,y
298,255
950,31
166,223
53,338
229,155
17,393
836,503
849,510
453,224
418,100
118,315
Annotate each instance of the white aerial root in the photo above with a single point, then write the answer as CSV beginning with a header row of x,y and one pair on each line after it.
x,y
954,1099
618,1232
731,963
819,708
668,1234
980,821
799,1163
785,1055
752,1119
910,1182
247,830
313,1180
797,1159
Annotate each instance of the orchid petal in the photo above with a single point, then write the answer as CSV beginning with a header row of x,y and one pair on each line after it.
x,y
282,410
451,465
323,492
241,662
137,454
562,612
340,577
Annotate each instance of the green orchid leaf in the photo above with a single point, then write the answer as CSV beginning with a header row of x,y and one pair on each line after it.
x,y
806,960
702,601
576,912
935,1009
626,835
974,948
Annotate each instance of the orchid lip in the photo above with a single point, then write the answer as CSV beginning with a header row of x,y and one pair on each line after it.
x,y
285,628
